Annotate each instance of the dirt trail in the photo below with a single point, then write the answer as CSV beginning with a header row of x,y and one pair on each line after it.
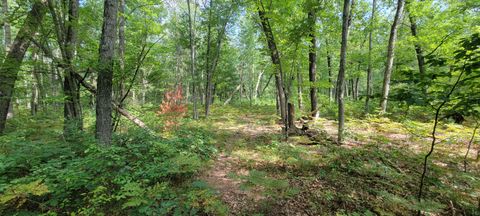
x,y
245,129
239,137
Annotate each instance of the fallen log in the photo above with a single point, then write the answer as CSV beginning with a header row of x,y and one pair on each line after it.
x,y
316,135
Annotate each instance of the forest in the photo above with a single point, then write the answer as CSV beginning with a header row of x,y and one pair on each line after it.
x,y
240,107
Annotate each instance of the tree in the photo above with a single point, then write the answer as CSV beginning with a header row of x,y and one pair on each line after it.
x,y
13,60
66,32
7,40
105,73
120,90
369,69
390,55
211,63
341,71
418,47
312,63
275,56
192,59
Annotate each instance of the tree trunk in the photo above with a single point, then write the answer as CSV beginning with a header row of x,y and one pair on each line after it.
x,y
291,116
192,63
418,47
38,92
208,85
14,58
329,68
7,37
120,91
267,30
390,55
257,85
105,73
7,34
312,65
34,97
300,90
356,91
369,69
72,106
341,72
352,89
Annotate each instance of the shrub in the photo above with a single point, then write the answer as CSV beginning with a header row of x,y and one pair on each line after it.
x,y
137,175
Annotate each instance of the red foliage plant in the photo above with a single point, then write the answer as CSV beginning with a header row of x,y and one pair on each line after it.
x,y
172,108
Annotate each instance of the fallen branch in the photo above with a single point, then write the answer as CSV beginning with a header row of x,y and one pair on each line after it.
x,y
116,107
92,89
465,159
233,93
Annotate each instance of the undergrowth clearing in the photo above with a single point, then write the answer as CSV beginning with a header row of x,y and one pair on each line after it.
x,y
376,171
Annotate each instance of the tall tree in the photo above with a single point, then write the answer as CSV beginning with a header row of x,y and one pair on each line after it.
x,y
14,58
192,59
211,63
346,18
72,106
105,73
208,85
390,55
312,63
418,47
275,56
329,69
369,69
120,88
7,40
7,33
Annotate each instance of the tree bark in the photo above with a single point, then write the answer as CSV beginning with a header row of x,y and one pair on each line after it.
x,y
105,73
369,69
120,92
208,85
390,55
192,63
38,92
7,38
274,54
356,91
211,68
341,72
312,65
72,106
7,33
14,58
34,97
329,68
257,85
418,47
300,89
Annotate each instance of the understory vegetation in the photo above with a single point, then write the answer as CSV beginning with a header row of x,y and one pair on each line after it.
x,y
375,173
239,107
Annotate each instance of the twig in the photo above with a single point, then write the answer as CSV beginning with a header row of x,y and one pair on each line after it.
x,y
432,146
465,162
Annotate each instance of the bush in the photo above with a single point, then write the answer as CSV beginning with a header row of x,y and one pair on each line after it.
x,y
137,175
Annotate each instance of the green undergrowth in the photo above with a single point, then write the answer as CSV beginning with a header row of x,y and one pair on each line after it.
x,y
379,175
41,173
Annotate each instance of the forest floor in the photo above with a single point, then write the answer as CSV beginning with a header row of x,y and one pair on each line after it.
x,y
375,172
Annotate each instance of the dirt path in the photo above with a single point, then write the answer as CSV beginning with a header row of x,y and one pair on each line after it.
x,y
245,129
241,136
